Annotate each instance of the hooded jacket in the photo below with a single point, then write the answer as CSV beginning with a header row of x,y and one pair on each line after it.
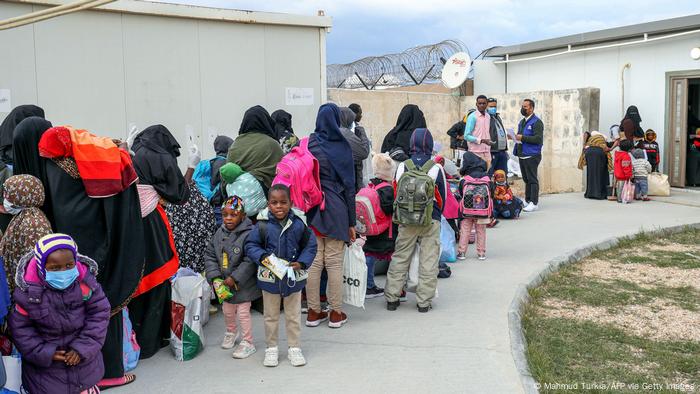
x,y
284,242
359,143
45,320
238,265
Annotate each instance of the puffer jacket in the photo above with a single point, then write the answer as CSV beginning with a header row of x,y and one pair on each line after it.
x,y
45,320
285,243
239,266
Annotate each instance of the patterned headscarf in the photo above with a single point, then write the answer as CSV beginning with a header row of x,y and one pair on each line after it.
x,y
234,203
51,243
28,226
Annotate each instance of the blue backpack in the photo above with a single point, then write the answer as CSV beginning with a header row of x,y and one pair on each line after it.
x,y
130,348
202,178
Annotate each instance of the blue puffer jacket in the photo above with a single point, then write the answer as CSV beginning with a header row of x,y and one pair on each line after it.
x,y
285,243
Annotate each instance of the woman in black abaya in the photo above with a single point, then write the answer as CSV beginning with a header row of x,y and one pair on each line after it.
x,y
410,118
596,157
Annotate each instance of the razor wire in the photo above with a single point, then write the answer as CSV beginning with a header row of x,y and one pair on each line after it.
x,y
410,67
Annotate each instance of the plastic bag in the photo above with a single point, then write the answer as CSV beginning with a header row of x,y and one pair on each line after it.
x,y
189,312
658,185
130,347
627,192
354,276
13,374
448,243
412,282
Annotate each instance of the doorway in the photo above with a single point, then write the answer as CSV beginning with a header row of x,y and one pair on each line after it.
x,y
682,146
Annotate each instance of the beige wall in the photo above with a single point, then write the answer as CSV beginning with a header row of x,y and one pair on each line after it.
x,y
566,115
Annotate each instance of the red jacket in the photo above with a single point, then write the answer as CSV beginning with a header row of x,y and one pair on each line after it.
x,y
623,166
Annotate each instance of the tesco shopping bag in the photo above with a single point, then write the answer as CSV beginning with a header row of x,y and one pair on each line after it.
x,y
354,276
188,311
448,242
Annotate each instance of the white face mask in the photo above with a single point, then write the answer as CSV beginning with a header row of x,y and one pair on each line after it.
x,y
291,276
352,127
11,209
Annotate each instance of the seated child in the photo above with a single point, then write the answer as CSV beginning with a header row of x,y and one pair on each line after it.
x,y
60,318
505,204
225,259
641,169
283,233
475,167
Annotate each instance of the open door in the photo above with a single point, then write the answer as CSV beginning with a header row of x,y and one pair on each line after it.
x,y
676,143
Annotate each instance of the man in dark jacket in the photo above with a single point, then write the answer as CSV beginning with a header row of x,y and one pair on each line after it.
x,y
528,148
499,139
456,133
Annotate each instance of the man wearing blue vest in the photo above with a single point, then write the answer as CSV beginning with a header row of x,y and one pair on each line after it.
x,y
529,150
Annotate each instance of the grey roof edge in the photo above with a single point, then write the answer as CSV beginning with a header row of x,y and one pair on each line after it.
x,y
683,23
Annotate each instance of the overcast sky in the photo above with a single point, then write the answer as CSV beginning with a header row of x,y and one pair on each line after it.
x,y
374,27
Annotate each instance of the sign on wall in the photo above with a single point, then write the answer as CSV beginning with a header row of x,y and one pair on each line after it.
x,y
299,96
5,100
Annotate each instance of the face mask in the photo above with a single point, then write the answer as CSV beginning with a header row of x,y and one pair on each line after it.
x,y
61,279
11,209
291,276
492,110
523,112
352,127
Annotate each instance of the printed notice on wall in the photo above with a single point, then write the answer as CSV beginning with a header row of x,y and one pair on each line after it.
x,y
300,96
5,100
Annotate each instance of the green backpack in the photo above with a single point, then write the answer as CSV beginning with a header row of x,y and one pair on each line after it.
x,y
415,192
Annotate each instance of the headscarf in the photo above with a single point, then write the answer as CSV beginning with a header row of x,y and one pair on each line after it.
x,y
347,117
421,145
155,160
633,113
597,140
473,165
334,145
49,244
410,118
257,120
222,144
158,139
235,204
25,147
8,125
283,122
500,173
28,226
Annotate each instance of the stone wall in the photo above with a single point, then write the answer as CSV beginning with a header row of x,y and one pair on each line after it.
x,y
566,115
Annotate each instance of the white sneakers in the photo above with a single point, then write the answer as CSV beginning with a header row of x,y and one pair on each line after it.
x,y
530,207
229,341
244,350
294,354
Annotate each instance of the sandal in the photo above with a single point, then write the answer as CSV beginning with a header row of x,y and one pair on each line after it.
x,y
105,384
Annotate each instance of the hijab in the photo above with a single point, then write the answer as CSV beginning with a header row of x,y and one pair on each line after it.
x,y
222,144
257,120
334,145
347,118
633,113
155,161
410,118
25,147
157,138
283,122
8,125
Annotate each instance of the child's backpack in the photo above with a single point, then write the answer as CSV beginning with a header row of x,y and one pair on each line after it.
x,y
368,210
476,197
202,178
299,171
623,165
415,192
130,348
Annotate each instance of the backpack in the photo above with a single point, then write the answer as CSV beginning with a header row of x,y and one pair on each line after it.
x,y
368,210
415,192
249,189
299,171
202,178
130,348
476,197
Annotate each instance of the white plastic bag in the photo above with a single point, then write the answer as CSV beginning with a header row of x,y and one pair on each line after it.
x,y
13,371
448,243
412,282
658,185
189,312
354,276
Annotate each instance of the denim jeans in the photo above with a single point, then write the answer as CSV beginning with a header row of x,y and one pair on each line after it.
x,y
217,216
499,161
371,261
641,187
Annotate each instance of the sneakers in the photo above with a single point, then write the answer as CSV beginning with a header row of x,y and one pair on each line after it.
x,y
493,223
530,207
271,357
461,256
313,318
424,309
392,305
296,357
229,341
244,350
403,297
337,319
374,292
482,257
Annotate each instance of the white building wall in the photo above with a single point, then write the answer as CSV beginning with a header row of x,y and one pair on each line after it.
x,y
645,81
104,71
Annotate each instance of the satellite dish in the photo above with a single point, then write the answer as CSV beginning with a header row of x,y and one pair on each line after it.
x,y
456,70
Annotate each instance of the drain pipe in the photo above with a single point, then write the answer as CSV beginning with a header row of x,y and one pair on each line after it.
x,y
622,86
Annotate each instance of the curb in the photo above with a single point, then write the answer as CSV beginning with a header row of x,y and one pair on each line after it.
x,y
518,343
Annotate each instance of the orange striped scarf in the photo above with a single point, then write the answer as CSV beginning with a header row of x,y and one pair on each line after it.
x,y
105,169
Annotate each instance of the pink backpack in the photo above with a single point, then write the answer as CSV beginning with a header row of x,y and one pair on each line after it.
x,y
299,171
371,219
476,197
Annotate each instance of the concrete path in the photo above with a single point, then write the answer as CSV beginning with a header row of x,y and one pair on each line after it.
x,y
462,345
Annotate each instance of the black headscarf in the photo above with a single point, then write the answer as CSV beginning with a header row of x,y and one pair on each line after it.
x,y
257,120
334,145
8,126
283,122
222,144
155,161
633,113
410,118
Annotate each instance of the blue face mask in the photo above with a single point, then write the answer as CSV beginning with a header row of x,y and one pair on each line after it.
x,y
61,279
491,110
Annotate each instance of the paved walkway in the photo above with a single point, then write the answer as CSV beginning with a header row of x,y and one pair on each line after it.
x,y
462,345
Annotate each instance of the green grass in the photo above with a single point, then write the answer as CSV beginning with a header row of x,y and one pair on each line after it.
x,y
571,351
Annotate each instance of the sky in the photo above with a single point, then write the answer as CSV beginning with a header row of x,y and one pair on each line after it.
x,y
376,27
